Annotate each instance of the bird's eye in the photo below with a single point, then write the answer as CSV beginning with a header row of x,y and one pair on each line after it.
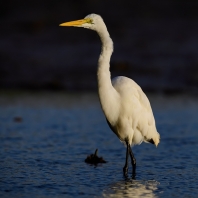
x,y
90,21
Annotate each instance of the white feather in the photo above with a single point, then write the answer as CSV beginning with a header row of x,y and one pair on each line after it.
x,y
124,104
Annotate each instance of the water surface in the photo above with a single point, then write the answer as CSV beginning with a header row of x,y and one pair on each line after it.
x,y
45,138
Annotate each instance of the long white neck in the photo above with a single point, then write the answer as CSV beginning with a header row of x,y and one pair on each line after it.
x,y
107,94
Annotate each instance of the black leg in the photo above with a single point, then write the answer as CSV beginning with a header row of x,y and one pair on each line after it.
x,y
125,169
133,162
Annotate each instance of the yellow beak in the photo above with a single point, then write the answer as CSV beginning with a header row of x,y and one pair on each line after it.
x,y
76,23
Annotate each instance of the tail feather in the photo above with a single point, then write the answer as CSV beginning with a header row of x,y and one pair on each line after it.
x,y
155,140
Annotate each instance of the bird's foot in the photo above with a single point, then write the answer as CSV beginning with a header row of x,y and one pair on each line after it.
x,y
133,168
125,171
133,175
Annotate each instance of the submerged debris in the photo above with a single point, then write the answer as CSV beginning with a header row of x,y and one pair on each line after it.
x,y
94,159
18,119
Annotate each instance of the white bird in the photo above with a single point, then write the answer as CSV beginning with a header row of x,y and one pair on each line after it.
x,y
125,105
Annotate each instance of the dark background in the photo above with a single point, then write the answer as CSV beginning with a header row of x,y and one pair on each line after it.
x,y
155,43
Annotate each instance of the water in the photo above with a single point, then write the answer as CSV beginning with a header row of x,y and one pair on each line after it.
x,y
45,138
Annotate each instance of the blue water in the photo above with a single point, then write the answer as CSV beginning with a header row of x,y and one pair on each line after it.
x,y
45,138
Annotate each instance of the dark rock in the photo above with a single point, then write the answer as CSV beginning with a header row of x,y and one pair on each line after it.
x,y
94,159
18,119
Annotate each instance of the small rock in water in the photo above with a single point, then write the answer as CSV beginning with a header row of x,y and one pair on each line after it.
x,y
18,119
94,159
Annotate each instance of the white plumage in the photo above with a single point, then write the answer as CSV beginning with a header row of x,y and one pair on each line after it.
x,y
126,107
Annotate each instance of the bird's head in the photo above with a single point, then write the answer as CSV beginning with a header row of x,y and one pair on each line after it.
x,y
91,21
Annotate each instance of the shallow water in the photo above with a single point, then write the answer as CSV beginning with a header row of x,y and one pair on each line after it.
x,y
45,138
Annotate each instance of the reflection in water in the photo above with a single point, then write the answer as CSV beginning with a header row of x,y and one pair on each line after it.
x,y
44,139
132,188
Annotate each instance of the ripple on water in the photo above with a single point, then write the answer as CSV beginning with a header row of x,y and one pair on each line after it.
x,y
132,188
43,155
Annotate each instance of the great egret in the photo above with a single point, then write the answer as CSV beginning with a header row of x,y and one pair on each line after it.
x,y
126,107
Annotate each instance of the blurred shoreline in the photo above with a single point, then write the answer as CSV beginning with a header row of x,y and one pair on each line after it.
x,y
155,44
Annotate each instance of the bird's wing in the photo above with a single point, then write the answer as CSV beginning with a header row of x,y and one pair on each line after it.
x,y
146,123
140,109
127,86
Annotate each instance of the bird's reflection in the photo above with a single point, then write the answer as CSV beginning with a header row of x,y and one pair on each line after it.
x,y
132,188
